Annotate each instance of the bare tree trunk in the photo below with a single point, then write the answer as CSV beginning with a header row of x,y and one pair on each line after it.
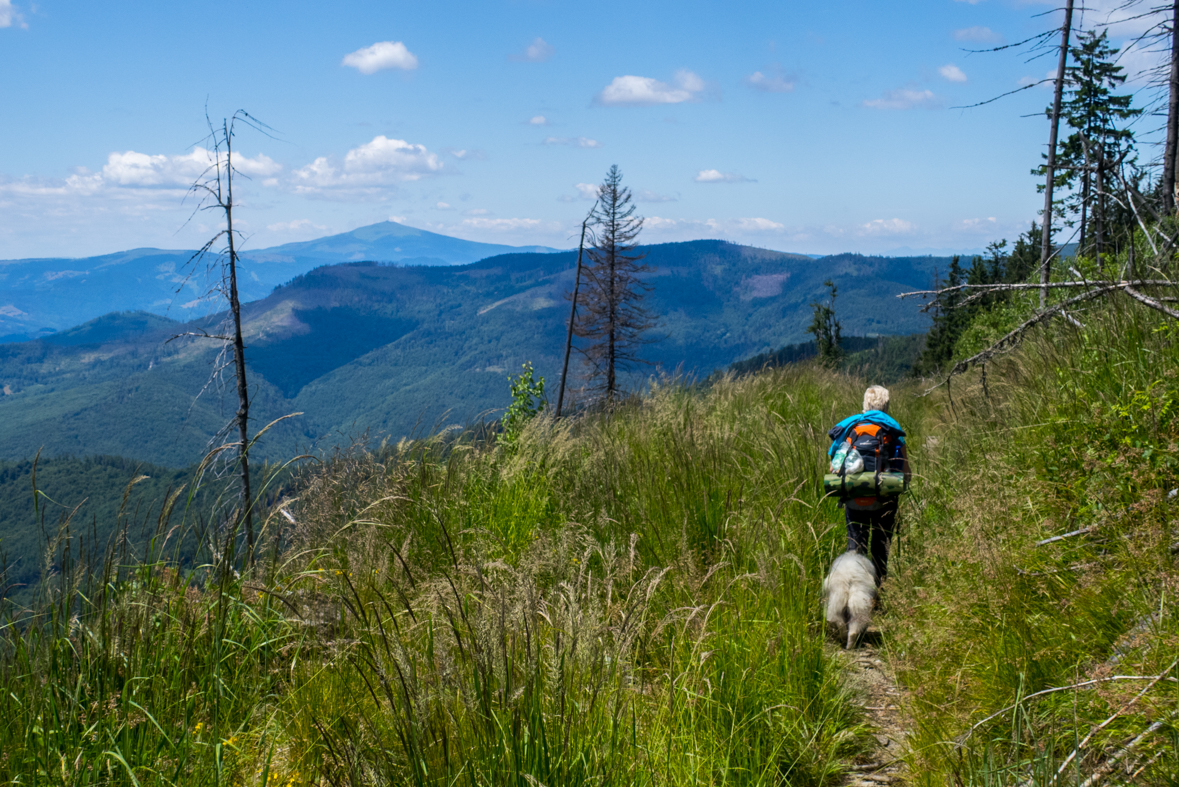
x,y
572,314
1046,235
1099,212
1084,239
239,357
610,381
1172,150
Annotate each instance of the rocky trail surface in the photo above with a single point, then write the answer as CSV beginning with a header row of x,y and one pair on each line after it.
x,y
872,675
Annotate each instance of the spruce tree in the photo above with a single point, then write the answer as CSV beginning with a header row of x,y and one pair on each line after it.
x,y
1093,111
826,329
612,318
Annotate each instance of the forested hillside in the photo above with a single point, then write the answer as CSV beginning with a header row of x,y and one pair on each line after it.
x,y
387,349
40,296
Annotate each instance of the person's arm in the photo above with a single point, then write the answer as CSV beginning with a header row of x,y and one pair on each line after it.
x,y
905,464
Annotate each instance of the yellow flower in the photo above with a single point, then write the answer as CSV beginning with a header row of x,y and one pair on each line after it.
x,y
199,726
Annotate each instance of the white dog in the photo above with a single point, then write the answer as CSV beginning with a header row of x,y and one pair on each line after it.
x,y
850,590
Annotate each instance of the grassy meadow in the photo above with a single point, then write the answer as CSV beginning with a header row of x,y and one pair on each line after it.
x,y
634,599
622,600
1043,662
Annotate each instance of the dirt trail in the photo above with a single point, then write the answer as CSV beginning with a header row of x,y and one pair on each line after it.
x,y
882,697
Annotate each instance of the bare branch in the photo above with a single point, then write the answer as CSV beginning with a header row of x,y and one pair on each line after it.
x,y
1004,95
199,335
1009,341
986,288
1151,302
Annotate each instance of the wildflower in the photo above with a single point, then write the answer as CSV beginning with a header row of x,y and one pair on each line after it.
x,y
200,725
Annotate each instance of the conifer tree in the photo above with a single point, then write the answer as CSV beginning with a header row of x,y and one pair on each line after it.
x,y
948,323
612,318
1093,111
826,329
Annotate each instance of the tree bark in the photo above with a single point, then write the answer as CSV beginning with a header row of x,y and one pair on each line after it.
x,y
1172,150
572,314
610,381
1050,167
239,358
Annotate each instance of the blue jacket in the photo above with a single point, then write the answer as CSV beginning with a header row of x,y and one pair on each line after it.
x,y
839,432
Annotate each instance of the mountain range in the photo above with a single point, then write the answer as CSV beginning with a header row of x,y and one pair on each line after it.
x,y
41,296
388,349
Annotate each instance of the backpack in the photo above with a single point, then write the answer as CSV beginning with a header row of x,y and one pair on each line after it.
x,y
878,439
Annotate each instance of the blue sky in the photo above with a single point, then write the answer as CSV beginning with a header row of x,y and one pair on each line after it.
x,y
801,126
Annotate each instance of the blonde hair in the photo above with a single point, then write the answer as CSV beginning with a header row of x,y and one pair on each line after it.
x,y
876,398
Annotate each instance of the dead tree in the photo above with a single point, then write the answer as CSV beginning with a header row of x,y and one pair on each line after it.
x,y
1050,165
214,191
572,313
613,321
1172,142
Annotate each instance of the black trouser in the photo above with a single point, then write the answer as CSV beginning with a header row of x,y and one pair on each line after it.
x,y
870,532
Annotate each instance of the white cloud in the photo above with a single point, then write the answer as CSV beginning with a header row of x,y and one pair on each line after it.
x,y
759,225
463,154
1123,19
645,91
774,82
536,52
9,15
443,206
905,98
716,176
886,227
295,226
952,73
584,191
538,120
380,56
711,228
504,225
646,195
978,35
381,162
1142,61
577,142
141,170
477,212
985,226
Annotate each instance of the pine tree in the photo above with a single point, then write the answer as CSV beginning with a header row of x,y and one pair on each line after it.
x,y
826,329
612,318
949,322
1093,110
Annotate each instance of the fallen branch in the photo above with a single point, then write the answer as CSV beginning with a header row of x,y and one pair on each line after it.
x,y
1009,341
1151,302
1082,685
1063,536
1107,766
1105,724
987,288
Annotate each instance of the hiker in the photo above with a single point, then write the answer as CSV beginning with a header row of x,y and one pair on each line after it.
x,y
877,437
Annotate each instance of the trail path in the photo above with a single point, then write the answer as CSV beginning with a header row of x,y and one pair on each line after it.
x,y
873,676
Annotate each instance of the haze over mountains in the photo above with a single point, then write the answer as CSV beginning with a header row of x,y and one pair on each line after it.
x,y
362,346
39,296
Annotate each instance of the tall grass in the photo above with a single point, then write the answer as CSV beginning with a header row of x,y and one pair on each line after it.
x,y
1076,432
628,598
